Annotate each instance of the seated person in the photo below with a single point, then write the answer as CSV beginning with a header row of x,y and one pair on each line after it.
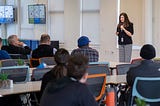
x,y
84,49
16,47
59,71
147,67
44,49
71,90
3,54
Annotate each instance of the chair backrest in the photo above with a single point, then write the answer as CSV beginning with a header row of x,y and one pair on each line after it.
x,y
136,61
16,73
147,89
96,84
124,68
38,73
98,69
48,60
18,56
34,62
9,62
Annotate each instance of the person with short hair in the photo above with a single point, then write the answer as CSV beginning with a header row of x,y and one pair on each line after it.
x,y
147,68
3,54
84,49
16,47
44,49
70,90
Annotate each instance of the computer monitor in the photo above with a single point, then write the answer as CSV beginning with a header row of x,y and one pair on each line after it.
x,y
55,44
7,14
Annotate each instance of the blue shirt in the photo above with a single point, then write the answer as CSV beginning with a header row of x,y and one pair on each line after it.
x,y
4,55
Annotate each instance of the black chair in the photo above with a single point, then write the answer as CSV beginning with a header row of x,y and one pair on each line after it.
x,y
18,56
16,73
147,89
38,73
9,62
124,68
47,60
98,68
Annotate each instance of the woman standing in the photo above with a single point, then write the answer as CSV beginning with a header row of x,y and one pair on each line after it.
x,y
124,32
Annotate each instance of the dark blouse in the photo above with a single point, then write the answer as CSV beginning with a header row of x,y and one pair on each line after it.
x,y
123,38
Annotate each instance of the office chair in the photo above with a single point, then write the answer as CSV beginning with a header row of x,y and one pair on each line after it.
x,y
34,62
38,73
124,68
146,88
48,60
98,69
16,73
136,61
9,62
96,84
18,56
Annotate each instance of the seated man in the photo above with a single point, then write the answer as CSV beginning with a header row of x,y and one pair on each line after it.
x,y
84,49
71,90
3,53
44,49
147,68
16,47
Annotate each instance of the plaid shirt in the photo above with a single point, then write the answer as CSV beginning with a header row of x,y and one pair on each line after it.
x,y
92,54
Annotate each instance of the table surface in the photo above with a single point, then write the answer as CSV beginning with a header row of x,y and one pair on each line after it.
x,y
35,85
22,88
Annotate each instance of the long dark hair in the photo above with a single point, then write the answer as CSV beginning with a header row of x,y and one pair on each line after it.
x,y
126,20
61,58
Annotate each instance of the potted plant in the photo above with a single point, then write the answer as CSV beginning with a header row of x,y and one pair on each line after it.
x,y
20,62
4,81
140,102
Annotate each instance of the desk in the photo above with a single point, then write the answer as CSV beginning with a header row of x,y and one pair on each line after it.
x,y
22,88
35,85
116,78
113,64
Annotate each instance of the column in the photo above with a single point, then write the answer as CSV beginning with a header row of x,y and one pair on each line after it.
x,y
148,21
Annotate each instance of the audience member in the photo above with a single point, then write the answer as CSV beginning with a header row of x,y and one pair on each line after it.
x,y
84,49
3,53
16,47
59,71
44,49
71,90
147,68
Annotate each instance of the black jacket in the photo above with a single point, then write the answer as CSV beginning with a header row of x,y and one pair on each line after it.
x,y
147,68
11,49
126,39
43,51
66,92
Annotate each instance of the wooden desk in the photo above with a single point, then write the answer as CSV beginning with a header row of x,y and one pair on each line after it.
x,y
22,88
